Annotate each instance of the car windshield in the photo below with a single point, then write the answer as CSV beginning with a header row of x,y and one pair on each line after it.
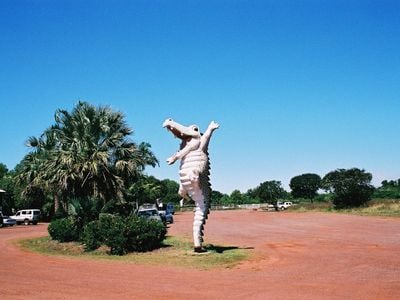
x,y
148,213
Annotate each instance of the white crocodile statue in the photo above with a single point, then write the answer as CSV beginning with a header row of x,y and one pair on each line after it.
x,y
194,172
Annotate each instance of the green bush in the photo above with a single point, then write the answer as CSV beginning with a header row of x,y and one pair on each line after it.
x,y
123,235
64,230
91,237
323,198
112,229
387,193
144,235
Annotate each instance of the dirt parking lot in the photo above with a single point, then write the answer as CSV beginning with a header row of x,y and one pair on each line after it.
x,y
294,256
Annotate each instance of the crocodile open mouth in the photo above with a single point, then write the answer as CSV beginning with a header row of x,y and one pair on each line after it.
x,y
178,130
174,131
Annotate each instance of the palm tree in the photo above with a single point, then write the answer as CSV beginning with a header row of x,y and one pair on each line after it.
x,y
86,154
31,172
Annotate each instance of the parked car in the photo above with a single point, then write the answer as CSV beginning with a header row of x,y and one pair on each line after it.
x,y
6,220
170,208
169,218
149,213
282,205
166,212
166,216
27,216
147,206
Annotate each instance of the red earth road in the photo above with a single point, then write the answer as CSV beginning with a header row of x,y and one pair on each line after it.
x,y
294,256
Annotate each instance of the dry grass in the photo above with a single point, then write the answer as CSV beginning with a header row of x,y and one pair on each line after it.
x,y
387,208
316,206
175,252
377,207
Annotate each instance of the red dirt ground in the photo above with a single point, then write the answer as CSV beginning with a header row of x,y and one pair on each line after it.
x,y
295,256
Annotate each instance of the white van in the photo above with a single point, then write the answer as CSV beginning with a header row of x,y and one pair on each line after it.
x,y
283,205
27,216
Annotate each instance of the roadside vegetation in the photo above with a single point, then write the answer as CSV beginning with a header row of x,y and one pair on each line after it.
x,y
375,207
177,252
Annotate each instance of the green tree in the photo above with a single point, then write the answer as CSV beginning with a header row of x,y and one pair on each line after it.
x,y
31,176
268,191
170,191
350,187
237,197
305,185
253,195
389,190
216,197
391,183
85,154
11,198
7,199
3,170
147,189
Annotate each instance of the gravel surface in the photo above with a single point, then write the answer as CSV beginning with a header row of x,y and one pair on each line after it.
x,y
293,256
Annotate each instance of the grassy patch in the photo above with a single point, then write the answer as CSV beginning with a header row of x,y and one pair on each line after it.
x,y
385,208
377,207
316,206
177,252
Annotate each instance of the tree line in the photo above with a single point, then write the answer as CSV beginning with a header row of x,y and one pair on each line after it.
x,y
344,187
87,157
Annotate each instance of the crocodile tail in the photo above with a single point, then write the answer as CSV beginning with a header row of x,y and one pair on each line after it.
x,y
206,189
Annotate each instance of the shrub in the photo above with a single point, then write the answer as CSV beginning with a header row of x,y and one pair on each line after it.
x,y
123,235
117,208
63,230
144,235
112,229
388,192
323,198
91,237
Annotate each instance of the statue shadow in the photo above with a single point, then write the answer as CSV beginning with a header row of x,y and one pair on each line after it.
x,y
222,249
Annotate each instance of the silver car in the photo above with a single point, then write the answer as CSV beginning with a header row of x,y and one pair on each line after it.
x,y
6,220
27,216
150,213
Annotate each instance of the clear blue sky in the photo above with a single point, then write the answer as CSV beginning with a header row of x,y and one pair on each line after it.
x,y
297,86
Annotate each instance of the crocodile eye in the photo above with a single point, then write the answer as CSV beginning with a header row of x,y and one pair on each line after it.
x,y
195,129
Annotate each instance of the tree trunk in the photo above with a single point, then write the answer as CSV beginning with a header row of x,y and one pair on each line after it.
x,y
56,203
65,205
